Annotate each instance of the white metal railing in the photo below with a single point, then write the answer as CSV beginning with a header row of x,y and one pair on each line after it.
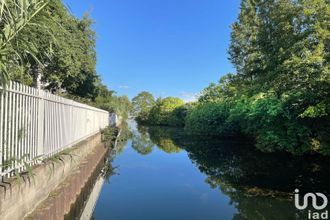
x,y
35,123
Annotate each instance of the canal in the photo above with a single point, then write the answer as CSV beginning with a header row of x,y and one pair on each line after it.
x,y
164,174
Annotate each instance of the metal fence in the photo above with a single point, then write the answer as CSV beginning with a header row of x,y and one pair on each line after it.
x,y
36,124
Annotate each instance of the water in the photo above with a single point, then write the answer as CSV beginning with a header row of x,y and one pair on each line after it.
x,y
165,174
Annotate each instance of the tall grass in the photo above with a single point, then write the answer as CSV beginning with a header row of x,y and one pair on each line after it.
x,y
15,15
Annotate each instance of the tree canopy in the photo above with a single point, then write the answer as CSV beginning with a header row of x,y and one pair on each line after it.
x,y
279,96
142,104
42,41
169,111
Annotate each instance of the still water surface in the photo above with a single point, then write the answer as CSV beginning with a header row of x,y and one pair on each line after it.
x,y
164,174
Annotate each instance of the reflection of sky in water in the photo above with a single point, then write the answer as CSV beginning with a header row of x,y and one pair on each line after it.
x,y
160,186
217,179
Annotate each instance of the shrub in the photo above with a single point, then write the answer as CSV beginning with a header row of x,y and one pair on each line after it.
x,y
210,119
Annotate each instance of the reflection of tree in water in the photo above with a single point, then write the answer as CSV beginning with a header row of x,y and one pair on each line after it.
x,y
124,136
108,170
141,141
241,166
258,204
161,137
259,185
146,138
168,146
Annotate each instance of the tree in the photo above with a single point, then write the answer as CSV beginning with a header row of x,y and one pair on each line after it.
x,y
72,66
163,112
280,94
211,119
228,88
52,46
106,100
142,104
244,49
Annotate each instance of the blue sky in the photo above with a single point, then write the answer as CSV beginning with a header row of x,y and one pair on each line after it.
x,y
166,47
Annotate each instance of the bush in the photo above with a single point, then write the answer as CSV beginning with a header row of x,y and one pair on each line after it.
x,y
210,119
167,112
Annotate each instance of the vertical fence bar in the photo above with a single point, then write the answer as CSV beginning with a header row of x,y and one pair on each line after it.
x,y
33,124
4,148
1,128
50,120
41,124
36,123
28,124
16,123
46,139
20,121
10,121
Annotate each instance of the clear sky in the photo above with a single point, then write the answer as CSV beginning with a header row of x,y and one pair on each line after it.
x,y
166,47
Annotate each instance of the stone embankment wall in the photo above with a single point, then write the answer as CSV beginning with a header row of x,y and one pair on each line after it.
x,y
56,182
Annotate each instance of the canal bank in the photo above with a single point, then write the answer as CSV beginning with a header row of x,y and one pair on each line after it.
x,y
19,199
62,202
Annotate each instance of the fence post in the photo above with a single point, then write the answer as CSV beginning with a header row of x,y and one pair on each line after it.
x,y
2,97
41,122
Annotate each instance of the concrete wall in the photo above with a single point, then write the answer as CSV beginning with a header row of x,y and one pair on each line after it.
x,y
18,200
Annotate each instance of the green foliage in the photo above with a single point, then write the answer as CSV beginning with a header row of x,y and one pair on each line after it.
x,y
142,104
108,134
161,137
268,120
108,170
226,89
120,105
179,114
71,66
280,94
211,119
15,17
275,123
41,38
124,135
282,45
167,111
58,159
141,141
107,101
116,137
13,161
